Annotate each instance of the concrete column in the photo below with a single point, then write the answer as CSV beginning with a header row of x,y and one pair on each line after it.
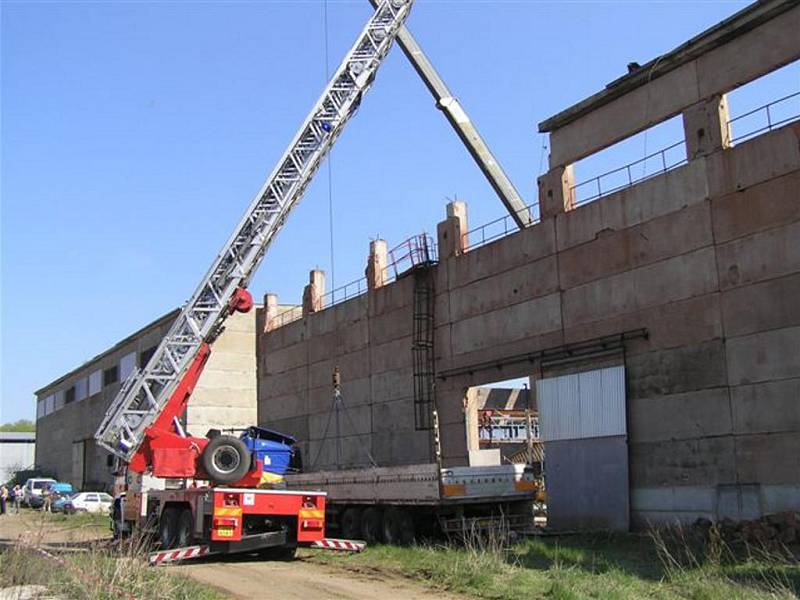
x,y
705,126
270,311
555,191
376,264
313,293
452,232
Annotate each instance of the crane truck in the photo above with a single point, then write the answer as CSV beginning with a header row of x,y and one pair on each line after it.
x,y
226,498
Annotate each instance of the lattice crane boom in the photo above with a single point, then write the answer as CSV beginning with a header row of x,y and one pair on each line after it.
x,y
145,393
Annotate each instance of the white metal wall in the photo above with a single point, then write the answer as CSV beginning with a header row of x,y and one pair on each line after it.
x,y
582,405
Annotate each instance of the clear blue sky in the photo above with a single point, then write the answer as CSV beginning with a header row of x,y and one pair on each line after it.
x,y
135,133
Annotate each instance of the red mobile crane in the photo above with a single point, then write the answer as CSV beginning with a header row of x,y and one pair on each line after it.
x,y
222,503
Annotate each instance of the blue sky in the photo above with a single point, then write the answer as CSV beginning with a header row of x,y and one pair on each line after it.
x,y
135,133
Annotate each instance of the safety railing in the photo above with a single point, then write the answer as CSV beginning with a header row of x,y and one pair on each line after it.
x,y
626,176
765,118
414,252
493,230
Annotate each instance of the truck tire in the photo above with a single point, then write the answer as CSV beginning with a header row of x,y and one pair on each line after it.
x,y
278,553
372,525
184,529
167,527
226,459
350,523
398,527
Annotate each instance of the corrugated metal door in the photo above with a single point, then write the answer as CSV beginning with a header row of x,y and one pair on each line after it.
x,y
582,421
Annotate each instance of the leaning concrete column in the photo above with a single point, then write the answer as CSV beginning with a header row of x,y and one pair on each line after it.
x,y
452,232
555,191
313,293
270,311
706,128
376,264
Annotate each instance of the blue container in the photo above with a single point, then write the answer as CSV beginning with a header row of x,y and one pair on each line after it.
x,y
275,450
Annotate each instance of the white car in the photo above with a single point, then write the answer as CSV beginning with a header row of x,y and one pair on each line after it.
x,y
32,490
93,502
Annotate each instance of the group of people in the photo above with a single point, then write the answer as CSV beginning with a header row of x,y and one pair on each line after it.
x,y
10,498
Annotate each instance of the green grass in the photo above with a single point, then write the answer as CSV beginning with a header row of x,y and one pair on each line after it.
x,y
97,573
583,566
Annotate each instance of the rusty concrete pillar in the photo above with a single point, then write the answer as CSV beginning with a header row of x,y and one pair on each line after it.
x,y
270,311
706,128
452,232
555,191
313,293
376,264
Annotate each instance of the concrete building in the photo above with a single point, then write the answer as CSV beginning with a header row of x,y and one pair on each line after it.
x,y
70,409
17,449
659,323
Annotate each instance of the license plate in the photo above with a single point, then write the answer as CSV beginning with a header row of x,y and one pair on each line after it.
x,y
225,532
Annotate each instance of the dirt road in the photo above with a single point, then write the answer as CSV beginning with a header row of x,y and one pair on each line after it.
x,y
302,579
241,577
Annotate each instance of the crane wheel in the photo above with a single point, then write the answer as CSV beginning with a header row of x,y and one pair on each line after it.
x,y
226,459
398,527
350,523
167,527
184,529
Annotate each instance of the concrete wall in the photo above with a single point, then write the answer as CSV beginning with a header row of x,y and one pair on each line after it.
x,y
224,397
17,450
705,257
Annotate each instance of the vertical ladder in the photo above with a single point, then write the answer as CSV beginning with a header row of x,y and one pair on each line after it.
x,y
423,347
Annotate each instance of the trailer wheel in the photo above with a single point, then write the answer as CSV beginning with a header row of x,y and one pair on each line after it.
x,y
350,523
226,459
167,527
398,527
183,531
372,525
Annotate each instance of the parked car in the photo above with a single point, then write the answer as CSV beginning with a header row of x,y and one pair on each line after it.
x,y
32,491
63,503
93,502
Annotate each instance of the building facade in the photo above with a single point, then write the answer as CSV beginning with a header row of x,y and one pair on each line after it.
x,y
17,453
70,409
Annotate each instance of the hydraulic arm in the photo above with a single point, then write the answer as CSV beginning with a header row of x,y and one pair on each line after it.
x,y
145,414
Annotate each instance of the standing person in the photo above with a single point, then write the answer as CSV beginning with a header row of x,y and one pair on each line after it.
x,y
3,498
47,495
17,498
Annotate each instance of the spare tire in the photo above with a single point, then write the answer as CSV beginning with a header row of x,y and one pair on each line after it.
x,y
226,459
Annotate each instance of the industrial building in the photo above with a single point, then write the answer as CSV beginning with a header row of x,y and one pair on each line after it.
x,y
70,408
17,449
658,320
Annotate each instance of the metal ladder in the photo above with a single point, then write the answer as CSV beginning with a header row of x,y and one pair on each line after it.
x,y
145,393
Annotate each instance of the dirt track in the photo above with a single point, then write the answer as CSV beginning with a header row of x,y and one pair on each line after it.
x,y
241,577
302,579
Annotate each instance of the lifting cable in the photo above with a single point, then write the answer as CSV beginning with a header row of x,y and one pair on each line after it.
x,y
330,154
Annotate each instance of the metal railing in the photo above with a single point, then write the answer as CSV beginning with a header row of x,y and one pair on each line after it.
x,y
768,111
415,251
623,177
493,230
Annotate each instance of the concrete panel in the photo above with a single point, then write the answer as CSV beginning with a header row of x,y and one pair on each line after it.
x,y
391,297
757,208
749,56
286,358
766,407
293,381
272,406
767,156
353,420
768,458
392,385
532,317
698,462
587,484
764,356
771,304
297,427
391,356
699,367
529,281
393,416
512,251
680,416
680,323
643,107
691,274
760,256
622,250
401,448
654,197
391,325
